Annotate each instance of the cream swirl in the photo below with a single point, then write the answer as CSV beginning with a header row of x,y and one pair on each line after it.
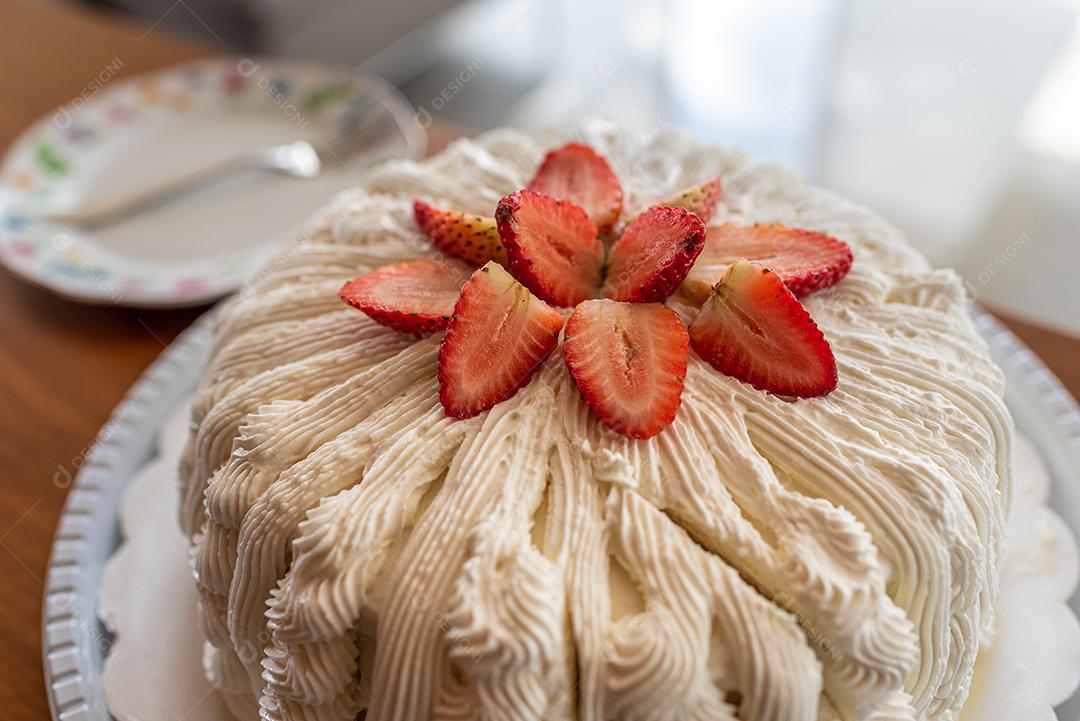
x,y
759,559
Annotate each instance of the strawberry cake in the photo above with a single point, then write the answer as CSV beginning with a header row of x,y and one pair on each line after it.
x,y
598,425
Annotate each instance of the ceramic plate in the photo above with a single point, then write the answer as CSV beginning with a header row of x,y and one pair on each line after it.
x,y
117,138
75,644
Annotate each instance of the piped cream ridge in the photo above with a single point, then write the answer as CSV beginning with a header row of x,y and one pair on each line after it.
x,y
760,559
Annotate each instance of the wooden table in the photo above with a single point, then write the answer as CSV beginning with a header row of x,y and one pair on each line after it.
x,y
64,366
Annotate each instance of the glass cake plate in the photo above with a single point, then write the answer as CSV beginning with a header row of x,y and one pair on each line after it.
x,y
146,581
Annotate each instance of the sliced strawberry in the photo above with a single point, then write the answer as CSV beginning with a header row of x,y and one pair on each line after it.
x,y
552,246
753,328
416,296
653,255
700,199
629,361
499,335
806,260
577,173
473,238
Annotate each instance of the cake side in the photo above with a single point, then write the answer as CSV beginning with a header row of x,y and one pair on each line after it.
x,y
355,548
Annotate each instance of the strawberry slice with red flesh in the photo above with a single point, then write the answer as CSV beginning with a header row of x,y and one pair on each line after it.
x,y
499,335
577,173
629,362
473,238
653,255
552,247
700,199
753,328
807,261
416,296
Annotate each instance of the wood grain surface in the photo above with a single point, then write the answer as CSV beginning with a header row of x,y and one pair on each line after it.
x,y
64,366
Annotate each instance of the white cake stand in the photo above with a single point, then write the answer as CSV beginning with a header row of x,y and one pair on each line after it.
x,y
147,600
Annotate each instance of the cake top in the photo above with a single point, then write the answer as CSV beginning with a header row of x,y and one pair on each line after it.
x,y
356,547
563,239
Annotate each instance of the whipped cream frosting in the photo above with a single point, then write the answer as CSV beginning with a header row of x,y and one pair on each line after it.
x,y
760,559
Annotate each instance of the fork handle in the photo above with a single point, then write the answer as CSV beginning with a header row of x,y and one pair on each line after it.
x,y
103,214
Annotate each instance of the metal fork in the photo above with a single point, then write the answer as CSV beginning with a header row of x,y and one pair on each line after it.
x,y
299,159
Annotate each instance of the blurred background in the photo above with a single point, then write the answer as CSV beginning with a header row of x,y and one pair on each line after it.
x,y
959,120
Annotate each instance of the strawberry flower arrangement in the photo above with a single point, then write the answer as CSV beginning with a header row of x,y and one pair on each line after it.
x,y
563,243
